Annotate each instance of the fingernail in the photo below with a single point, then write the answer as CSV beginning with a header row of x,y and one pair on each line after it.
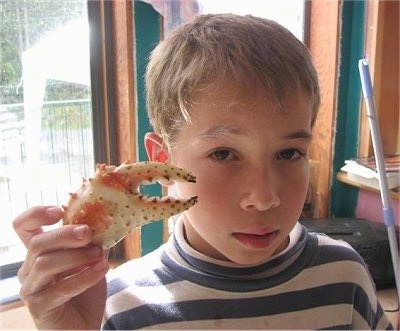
x,y
80,231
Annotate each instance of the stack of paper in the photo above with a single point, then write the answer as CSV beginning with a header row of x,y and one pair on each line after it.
x,y
363,171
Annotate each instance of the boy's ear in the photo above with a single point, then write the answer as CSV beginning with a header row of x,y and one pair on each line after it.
x,y
155,148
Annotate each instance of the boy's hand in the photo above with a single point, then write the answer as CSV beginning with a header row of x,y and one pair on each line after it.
x,y
63,279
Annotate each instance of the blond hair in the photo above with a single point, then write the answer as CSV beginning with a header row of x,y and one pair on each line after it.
x,y
257,53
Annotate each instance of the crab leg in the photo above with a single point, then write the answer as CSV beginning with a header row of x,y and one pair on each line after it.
x,y
151,172
141,211
112,205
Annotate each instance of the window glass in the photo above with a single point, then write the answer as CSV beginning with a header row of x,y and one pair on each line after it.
x,y
289,13
45,108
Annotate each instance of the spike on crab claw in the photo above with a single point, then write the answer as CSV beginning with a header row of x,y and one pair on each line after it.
x,y
111,204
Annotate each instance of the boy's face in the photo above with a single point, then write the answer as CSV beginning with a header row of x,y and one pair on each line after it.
x,y
251,163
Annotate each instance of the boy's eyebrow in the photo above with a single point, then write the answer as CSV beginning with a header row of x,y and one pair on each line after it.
x,y
222,130
301,134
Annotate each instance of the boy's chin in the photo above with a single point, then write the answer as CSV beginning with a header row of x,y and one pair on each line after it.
x,y
257,257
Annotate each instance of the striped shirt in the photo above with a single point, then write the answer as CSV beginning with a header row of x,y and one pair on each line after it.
x,y
316,283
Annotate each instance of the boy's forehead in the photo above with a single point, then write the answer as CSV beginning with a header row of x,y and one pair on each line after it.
x,y
234,96
245,119
232,93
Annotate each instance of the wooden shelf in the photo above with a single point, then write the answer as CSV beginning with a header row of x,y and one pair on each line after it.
x,y
342,177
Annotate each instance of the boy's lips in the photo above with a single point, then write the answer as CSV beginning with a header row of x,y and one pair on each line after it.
x,y
255,240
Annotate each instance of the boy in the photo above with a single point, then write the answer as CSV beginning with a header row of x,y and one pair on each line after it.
x,y
232,99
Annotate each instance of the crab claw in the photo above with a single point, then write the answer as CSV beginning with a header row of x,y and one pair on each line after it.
x,y
111,204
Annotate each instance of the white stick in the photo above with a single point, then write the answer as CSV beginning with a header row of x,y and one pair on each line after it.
x,y
379,158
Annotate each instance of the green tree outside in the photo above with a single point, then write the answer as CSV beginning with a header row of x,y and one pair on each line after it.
x,y
22,24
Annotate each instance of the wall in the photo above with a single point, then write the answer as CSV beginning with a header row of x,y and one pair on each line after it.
x,y
369,206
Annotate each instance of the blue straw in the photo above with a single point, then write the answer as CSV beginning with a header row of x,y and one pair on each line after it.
x,y
379,158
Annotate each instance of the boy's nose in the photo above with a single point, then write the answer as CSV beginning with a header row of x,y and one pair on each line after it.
x,y
261,193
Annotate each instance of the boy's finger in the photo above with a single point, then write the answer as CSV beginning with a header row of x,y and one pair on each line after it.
x,y
54,296
48,268
30,222
62,239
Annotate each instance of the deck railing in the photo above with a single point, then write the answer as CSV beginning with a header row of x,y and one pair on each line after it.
x,y
60,152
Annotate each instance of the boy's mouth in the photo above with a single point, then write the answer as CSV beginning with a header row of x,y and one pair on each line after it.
x,y
257,241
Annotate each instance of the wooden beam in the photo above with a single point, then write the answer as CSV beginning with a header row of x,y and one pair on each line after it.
x,y
324,48
125,98
382,52
123,46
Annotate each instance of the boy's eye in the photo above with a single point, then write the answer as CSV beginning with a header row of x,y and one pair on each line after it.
x,y
290,154
222,154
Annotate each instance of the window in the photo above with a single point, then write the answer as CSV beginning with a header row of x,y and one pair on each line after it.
x,y
46,109
289,13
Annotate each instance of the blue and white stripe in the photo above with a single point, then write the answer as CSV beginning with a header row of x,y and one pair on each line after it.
x,y
319,283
